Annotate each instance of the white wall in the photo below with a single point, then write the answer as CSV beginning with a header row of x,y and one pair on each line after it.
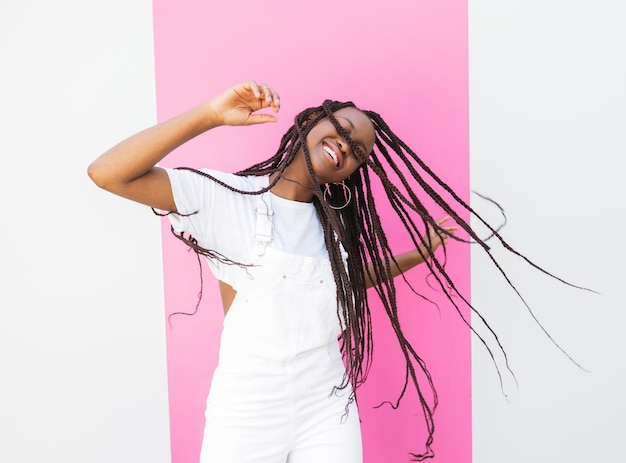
x,y
82,348
547,124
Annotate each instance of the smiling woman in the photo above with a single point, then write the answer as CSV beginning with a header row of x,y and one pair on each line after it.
x,y
294,269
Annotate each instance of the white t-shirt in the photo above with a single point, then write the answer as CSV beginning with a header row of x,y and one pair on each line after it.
x,y
226,221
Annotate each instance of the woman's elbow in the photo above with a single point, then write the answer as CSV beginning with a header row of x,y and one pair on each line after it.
x,y
99,175
95,174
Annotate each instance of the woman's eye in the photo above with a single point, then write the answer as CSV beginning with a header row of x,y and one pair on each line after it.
x,y
343,125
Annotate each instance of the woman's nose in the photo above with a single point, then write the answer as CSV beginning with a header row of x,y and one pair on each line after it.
x,y
343,146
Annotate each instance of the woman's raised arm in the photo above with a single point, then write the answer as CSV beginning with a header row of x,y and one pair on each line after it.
x,y
128,169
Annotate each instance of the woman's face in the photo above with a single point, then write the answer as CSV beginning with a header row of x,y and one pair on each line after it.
x,y
331,156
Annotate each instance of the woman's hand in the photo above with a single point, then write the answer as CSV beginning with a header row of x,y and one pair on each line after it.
x,y
238,104
439,237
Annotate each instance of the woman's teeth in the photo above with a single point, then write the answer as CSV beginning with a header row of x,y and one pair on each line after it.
x,y
332,154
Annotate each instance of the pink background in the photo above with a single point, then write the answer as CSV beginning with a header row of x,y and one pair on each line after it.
x,y
406,60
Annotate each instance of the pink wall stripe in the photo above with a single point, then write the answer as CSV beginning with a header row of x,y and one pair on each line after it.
x,y
405,60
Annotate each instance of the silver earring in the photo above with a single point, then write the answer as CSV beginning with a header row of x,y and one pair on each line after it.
x,y
346,193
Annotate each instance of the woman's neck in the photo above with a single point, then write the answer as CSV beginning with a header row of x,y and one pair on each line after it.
x,y
295,183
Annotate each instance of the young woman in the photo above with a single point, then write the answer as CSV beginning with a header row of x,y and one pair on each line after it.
x,y
295,241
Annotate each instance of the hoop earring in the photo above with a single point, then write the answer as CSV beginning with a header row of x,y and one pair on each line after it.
x,y
346,193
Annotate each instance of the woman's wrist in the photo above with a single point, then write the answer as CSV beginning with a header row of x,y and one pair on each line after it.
x,y
211,116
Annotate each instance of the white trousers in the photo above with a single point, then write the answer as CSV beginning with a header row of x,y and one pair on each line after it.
x,y
273,398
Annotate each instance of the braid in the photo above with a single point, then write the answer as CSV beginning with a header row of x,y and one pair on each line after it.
x,y
358,230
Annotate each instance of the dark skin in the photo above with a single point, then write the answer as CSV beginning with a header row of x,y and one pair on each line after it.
x,y
129,168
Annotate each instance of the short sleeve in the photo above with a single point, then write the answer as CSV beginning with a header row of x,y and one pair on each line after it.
x,y
193,196
218,218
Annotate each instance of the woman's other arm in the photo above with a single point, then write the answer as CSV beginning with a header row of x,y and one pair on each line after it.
x,y
408,260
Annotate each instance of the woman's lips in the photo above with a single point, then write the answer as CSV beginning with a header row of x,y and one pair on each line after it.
x,y
334,152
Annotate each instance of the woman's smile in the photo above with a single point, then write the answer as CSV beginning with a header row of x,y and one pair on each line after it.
x,y
334,152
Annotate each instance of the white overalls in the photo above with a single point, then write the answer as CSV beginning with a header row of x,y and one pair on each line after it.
x,y
272,398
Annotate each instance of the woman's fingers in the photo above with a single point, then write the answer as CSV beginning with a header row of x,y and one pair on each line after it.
x,y
451,229
442,234
275,100
260,119
270,97
266,95
254,88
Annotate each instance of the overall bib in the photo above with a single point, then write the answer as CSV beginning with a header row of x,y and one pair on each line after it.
x,y
272,399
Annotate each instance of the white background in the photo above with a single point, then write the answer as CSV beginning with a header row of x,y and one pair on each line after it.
x,y
82,338
82,345
547,125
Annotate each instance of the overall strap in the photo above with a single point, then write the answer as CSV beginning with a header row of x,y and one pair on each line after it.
x,y
264,215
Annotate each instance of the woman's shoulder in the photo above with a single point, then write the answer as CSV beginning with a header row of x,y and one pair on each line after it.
x,y
227,179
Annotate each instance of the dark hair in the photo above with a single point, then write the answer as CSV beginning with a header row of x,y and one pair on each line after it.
x,y
357,229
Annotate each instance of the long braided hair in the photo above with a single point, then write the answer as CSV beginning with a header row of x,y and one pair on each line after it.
x,y
357,229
